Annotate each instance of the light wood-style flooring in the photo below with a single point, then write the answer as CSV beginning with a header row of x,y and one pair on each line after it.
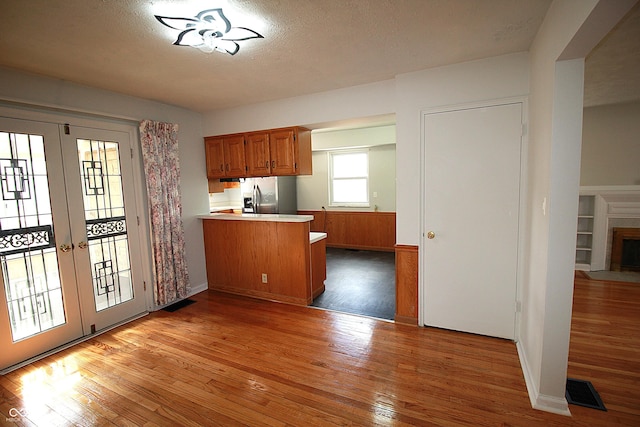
x,y
228,360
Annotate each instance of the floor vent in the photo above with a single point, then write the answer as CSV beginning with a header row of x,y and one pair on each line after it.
x,y
582,393
178,305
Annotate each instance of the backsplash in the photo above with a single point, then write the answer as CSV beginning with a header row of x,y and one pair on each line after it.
x,y
231,197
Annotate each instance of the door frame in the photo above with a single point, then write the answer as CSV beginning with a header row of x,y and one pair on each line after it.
x,y
126,125
522,218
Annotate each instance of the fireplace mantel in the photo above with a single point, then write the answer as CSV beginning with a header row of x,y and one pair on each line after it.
x,y
614,206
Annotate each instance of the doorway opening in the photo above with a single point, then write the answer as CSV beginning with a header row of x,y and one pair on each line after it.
x,y
359,282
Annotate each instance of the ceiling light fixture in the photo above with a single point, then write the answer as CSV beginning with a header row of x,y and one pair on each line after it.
x,y
209,30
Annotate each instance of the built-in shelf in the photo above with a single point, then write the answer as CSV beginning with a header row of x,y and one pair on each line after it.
x,y
584,240
601,208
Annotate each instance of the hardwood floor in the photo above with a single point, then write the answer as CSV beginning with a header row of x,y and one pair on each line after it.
x,y
605,347
229,360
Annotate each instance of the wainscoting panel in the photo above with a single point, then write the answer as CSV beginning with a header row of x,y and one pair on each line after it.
x,y
406,284
374,231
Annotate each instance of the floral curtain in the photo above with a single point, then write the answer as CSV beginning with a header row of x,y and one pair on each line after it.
x,y
161,166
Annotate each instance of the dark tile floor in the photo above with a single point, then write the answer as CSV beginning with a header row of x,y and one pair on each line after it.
x,y
360,282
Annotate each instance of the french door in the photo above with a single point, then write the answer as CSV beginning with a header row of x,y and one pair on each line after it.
x,y
69,267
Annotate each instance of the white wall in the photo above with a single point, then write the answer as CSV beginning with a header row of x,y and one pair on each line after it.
x,y
407,95
611,145
354,102
313,190
58,94
487,79
358,137
554,151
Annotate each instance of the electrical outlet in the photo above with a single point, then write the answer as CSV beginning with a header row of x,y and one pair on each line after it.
x,y
264,277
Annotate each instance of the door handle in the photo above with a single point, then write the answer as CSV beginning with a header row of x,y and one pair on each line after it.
x,y
65,248
82,245
431,235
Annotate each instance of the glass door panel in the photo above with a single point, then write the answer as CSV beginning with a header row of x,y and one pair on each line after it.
x,y
106,222
39,301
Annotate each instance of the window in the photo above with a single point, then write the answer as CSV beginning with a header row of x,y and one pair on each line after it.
x,y
349,178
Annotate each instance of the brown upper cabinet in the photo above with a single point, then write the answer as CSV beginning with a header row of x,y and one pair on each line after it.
x,y
274,152
225,156
257,154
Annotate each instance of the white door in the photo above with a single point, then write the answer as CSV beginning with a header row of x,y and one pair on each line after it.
x,y
102,213
68,266
470,219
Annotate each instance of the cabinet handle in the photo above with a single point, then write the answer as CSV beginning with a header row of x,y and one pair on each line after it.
x,y
273,164
221,167
266,164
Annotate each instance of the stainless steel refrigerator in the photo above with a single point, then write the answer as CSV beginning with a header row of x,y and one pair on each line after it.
x,y
270,195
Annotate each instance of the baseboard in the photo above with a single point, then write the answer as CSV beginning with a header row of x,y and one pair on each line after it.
x,y
360,247
406,320
194,290
197,289
540,401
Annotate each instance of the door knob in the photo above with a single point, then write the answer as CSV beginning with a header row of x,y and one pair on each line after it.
x,y
82,245
431,235
65,248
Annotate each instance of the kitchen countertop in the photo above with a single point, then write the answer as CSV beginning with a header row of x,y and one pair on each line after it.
x,y
258,217
315,236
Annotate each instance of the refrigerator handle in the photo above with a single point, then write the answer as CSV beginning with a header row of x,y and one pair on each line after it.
x,y
256,199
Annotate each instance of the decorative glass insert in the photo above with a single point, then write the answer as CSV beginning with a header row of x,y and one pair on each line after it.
x,y
27,244
105,221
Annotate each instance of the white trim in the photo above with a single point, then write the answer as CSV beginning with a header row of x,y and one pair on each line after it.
x,y
592,190
540,401
199,288
523,214
57,110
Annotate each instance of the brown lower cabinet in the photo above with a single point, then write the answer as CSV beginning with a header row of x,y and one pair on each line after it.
x,y
263,259
318,267
239,252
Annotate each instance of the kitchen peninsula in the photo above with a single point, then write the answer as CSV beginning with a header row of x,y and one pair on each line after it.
x,y
266,256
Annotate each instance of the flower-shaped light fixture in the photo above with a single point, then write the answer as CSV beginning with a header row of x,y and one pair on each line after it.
x,y
209,30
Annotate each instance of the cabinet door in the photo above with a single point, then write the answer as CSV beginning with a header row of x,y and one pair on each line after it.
x,y
257,153
215,157
235,165
283,151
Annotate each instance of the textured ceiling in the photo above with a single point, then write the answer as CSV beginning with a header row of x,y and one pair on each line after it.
x,y
308,46
612,69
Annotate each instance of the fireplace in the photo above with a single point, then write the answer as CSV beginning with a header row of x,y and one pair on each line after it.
x,y
625,249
